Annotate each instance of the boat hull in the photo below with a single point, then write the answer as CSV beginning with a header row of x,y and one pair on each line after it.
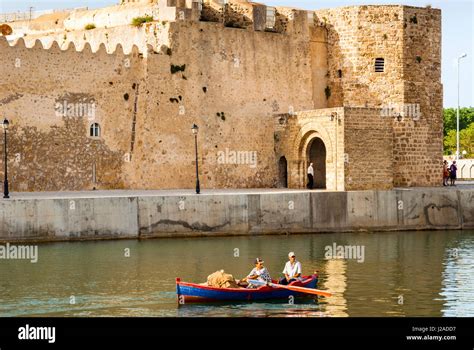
x,y
196,293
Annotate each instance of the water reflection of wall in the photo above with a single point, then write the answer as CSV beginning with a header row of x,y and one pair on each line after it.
x,y
336,282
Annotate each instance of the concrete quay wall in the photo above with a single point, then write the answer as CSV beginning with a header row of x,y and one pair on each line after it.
x,y
184,215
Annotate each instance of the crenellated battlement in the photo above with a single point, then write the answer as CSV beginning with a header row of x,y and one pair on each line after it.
x,y
112,26
86,48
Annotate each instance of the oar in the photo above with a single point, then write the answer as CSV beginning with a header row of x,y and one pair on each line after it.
x,y
293,288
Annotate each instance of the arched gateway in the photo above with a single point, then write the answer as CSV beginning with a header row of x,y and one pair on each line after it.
x,y
316,154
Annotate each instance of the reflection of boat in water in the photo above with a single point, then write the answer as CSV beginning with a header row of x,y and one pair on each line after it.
x,y
195,293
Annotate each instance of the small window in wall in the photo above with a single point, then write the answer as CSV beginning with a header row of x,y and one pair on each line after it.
x,y
95,130
271,17
379,65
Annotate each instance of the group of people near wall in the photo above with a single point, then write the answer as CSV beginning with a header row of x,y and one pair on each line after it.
x,y
449,173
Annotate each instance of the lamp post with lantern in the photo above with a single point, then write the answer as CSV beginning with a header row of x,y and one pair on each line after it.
x,y
195,130
5,125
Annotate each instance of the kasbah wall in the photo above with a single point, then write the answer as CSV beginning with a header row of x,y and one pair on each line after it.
x,y
259,90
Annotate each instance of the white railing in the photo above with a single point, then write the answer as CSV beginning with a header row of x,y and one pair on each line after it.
x,y
466,169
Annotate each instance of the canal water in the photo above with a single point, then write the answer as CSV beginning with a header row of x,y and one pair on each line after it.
x,y
400,274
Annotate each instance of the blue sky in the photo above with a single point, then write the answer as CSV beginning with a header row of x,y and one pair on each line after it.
x,y
458,29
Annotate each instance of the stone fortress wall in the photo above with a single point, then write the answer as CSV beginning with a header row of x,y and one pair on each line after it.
x,y
236,70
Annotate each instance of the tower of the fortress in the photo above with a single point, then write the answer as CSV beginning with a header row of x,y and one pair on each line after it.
x,y
390,57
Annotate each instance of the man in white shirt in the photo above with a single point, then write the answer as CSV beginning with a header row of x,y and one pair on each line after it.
x,y
292,270
310,176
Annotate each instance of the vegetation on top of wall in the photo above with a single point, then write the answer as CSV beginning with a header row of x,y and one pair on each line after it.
x,y
177,68
138,21
89,26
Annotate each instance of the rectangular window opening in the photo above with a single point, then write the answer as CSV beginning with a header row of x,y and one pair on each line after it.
x,y
379,65
271,17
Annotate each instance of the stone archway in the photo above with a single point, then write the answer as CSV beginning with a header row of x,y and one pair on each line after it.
x,y
314,142
283,172
316,154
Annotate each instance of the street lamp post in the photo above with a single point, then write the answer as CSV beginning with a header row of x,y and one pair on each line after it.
x,y
195,130
457,113
5,181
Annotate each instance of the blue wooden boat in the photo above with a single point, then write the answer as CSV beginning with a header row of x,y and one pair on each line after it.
x,y
198,293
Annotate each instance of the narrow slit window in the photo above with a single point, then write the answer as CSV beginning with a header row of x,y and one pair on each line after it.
x,y
95,130
379,65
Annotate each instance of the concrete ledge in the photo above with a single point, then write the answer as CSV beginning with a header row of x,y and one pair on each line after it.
x,y
420,209
466,200
68,219
233,213
204,214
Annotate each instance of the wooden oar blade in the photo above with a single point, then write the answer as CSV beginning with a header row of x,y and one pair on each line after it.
x,y
306,290
293,288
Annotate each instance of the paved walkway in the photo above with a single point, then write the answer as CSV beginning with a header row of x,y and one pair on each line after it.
x,y
188,192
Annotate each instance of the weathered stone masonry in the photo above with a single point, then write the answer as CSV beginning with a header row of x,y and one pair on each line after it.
x,y
291,86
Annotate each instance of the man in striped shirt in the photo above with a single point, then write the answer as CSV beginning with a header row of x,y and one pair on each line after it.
x,y
259,273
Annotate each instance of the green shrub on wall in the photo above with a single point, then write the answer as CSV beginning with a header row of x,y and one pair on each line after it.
x,y
138,21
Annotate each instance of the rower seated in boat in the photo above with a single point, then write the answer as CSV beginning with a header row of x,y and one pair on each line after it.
x,y
292,270
259,272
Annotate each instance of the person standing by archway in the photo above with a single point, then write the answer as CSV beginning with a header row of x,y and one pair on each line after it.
x,y
310,177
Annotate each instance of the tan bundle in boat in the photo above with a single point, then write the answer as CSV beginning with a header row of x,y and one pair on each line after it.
x,y
220,279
